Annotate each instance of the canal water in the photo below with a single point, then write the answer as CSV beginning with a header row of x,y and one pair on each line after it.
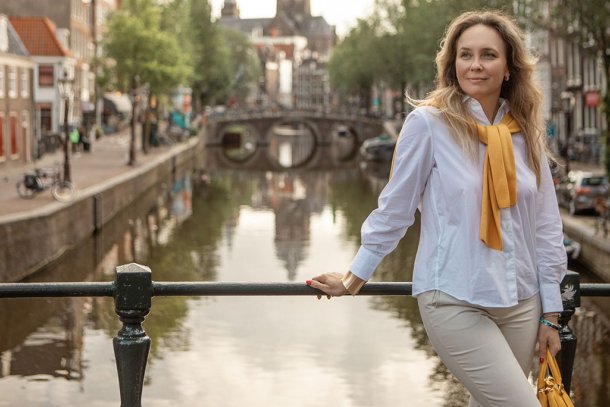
x,y
249,225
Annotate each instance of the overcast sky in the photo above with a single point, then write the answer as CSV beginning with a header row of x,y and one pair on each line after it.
x,y
342,13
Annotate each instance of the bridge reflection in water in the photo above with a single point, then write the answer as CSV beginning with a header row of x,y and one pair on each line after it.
x,y
250,225
288,144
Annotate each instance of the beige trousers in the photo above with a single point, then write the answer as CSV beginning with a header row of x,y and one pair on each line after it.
x,y
489,350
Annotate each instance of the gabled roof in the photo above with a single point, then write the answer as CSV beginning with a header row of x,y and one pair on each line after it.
x,y
245,26
317,26
38,36
15,45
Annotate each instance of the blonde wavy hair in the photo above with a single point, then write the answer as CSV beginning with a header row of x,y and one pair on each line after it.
x,y
524,96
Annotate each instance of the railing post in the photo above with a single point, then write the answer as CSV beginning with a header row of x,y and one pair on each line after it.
x,y
570,295
132,303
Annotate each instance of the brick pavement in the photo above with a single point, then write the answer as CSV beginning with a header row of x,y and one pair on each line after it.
x,y
107,160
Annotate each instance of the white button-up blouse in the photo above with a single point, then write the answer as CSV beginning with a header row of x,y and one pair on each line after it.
x,y
432,173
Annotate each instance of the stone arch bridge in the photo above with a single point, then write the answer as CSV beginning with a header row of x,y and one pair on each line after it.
x,y
321,125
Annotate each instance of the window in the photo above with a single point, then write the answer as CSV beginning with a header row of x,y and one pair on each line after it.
x,y
46,76
13,135
1,81
12,82
25,82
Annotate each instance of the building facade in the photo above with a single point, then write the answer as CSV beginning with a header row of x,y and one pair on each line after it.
x,y
577,81
74,30
311,86
17,144
285,42
53,63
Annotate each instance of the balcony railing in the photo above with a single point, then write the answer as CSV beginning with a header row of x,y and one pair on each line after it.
x,y
133,290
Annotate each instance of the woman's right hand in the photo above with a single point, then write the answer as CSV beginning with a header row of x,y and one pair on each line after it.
x,y
329,283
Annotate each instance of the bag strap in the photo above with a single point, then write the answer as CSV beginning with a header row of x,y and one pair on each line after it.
x,y
542,373
549,364
553,366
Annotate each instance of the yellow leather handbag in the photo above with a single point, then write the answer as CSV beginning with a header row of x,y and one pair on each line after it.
x,y
550,388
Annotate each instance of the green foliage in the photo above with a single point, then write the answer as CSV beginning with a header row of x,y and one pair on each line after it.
x,y
211,78
352,66
396,45
223,62
137,45
244,63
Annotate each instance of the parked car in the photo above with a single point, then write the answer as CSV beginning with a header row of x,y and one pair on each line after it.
x,y
379,148
579,190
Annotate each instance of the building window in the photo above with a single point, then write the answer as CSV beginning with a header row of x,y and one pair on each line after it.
x,y
25,82
46,76
12,82
1,81
45,120
13,135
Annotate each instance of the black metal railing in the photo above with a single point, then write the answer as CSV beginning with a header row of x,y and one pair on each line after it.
x,y
133,290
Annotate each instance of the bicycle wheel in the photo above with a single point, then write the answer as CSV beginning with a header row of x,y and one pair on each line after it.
x,y
63,191
24,191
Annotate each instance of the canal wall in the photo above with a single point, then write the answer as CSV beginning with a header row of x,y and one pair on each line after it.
x,y
36,238
594,250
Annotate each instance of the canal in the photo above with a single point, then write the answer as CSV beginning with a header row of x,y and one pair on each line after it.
x,y
249,225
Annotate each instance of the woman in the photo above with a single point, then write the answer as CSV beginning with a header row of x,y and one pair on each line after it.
x,y
491,255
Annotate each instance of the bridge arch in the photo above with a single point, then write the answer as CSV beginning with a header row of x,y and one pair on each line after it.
x,y
292,142
363,127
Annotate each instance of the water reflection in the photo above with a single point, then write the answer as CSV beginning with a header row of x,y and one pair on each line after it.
x,y
247,226
291,144
344,144
239,142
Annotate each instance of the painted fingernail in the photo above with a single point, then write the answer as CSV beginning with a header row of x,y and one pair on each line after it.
x,y
308,282
541,360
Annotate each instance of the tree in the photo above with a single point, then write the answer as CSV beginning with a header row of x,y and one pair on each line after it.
x,y
352,66
222,60
243,63
138,45
143,53
212,76
397,44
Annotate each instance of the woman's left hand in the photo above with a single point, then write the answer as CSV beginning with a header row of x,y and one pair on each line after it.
x,y
548,338
329,283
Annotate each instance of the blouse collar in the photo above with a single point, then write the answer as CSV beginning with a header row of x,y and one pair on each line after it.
x,y
476,110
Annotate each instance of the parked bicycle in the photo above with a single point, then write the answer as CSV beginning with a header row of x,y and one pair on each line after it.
x,y
41,179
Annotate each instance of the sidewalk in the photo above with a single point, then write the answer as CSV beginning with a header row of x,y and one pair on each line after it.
x,y
106,160
578,166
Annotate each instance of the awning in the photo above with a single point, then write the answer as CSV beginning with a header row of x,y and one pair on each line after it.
x,y
121,101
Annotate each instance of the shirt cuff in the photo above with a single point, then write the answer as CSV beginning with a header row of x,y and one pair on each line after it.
x,y
365,263
352,283
550,296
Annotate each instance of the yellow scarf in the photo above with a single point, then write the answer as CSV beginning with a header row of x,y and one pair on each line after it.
x,y
499,178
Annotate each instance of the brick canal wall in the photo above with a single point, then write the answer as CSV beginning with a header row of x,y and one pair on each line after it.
x,y
40,237
594,250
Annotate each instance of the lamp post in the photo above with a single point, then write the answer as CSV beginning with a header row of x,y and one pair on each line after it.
x,y
567,102
65,89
